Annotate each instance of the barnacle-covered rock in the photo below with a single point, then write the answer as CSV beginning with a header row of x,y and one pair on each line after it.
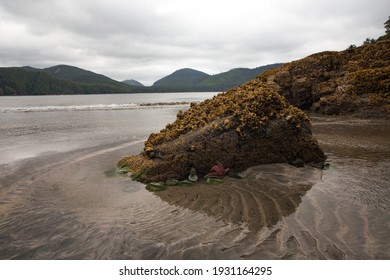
x,y
351,82
245,126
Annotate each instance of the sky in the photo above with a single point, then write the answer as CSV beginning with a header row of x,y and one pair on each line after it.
x,y
146,40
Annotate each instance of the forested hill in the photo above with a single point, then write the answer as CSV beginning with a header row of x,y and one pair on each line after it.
x,y
57,80
65,79
235,77
193,80
183,78
75,74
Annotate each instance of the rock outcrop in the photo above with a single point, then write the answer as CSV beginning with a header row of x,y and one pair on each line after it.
x,y
243,127
352,82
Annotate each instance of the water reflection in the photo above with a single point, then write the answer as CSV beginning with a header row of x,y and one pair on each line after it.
x,y
269,193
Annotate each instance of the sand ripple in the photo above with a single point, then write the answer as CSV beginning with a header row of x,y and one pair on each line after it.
x,y
261,200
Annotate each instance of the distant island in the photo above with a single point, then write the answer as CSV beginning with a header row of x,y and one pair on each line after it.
x,y
66,79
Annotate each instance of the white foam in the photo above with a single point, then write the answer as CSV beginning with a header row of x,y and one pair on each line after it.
x,y
91,107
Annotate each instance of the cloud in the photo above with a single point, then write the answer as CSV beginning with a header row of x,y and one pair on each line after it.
x,y
149,39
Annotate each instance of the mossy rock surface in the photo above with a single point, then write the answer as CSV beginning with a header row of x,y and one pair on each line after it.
x,y
246,126
351,82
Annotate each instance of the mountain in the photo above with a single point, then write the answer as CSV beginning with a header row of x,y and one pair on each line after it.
x,y
193,80
133,83
60,79
78,75
66,79
75,74
31,69
19,81
183,78
235,77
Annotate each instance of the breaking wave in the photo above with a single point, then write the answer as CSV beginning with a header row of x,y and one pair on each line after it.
x,y
93,107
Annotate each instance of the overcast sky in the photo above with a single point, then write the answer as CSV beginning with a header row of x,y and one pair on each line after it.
x,y
148,39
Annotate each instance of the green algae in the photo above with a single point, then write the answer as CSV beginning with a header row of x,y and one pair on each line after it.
x,y
155,187
213,181
115,171
186,183
172,182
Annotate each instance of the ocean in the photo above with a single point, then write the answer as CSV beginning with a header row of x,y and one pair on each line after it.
x,y
61,196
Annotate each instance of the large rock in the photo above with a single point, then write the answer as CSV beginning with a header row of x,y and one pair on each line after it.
x,y
352,82
246,126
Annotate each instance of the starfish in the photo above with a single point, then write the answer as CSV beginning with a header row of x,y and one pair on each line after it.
x,y
218,171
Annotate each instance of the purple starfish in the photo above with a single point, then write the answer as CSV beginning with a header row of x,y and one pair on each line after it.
x,y
218,170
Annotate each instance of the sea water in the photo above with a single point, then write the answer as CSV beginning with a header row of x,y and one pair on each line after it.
x,y
32,125
61,196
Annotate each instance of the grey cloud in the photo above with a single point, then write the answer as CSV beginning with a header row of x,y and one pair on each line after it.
x,y
148,39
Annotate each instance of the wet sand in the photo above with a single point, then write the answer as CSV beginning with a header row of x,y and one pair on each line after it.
x,y
77,207
73,205
269,193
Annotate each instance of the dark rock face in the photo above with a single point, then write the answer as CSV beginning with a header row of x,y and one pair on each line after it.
x,y
246,126
352,82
